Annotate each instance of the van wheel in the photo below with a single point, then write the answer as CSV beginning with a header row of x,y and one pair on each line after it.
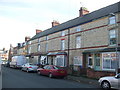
x,y
105,85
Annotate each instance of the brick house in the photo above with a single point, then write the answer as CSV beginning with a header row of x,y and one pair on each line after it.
x,y
88,44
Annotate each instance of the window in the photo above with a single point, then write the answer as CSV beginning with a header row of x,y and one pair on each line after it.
x,y
39,40
110,62
62,44
90,60
78,41
78,29
63,33
60,60
77,60
29,42
38,47
47,38
112,20
97,59
29,50
46,48
112,36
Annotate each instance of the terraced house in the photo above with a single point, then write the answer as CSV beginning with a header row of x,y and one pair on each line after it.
x,y
88,44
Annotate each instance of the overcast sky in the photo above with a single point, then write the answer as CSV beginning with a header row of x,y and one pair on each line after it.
x,y
20,18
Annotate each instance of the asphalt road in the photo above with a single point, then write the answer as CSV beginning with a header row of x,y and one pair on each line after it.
x,y
13,78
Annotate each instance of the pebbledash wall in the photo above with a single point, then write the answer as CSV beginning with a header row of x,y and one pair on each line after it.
x,y
86,45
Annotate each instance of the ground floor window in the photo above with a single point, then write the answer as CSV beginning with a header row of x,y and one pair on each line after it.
x,y
110,60
60,60
97,59
77,60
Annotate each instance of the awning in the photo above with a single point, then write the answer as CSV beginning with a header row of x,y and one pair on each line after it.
x,y
57,53
112,49
52,54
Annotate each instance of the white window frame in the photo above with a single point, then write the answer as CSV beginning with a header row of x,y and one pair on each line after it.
x,y
78,28
112,20
47,37
29,51
62,44
46,47
57,60
90,57
112,34
77,60
78,41
38,47
62,33
39,40
110,69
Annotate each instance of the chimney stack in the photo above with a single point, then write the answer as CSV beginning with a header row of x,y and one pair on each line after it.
x,y
38,31
55,23
83,11
27,38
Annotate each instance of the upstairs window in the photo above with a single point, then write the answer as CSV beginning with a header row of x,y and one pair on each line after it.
x,y
46,47
38,47
39,40
62,44
112,20
78,29
112,36
78,42
47,37
63,33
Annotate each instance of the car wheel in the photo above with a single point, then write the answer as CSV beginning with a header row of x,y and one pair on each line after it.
x,y
105,85
39,72
27,71
50,75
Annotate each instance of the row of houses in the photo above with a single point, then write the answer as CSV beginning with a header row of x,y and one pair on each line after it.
x,y
86,45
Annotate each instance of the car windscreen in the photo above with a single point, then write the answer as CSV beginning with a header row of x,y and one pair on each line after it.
x,y
56,67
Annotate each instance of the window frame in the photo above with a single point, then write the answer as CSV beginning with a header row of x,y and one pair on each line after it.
x,y
111,22
111,35
78,43
62,44
62,33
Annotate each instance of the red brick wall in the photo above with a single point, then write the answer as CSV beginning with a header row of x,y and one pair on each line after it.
x,y
97,74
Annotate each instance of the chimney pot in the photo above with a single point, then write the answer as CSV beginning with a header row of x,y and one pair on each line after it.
x,y
83,11
55,23
38,31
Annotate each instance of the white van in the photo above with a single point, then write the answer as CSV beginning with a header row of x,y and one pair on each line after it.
x,y
18,61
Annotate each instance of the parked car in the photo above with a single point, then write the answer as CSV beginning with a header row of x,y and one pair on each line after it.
x,y
52,71
110,82
18,61
29,67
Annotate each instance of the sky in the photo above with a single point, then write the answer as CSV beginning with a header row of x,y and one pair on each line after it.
x,y
20,18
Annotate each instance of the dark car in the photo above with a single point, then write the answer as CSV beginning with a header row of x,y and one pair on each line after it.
x,y
52,71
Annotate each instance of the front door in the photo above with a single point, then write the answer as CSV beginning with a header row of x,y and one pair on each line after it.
x,y
97,61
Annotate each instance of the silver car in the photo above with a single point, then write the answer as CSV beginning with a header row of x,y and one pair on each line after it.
x,y
110,82
29,67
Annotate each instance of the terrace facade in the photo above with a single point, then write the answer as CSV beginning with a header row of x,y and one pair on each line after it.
x,y
88,44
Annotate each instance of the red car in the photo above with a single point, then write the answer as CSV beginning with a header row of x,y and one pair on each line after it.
x,y
52,71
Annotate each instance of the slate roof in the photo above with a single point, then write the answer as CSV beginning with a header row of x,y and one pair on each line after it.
x,y
114,8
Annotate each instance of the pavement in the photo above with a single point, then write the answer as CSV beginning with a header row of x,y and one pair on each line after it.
x,y
83,79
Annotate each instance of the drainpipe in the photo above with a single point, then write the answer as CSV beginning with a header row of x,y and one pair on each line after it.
x,y
68,47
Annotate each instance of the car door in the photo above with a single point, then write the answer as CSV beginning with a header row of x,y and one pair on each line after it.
x,y
116,82
44,70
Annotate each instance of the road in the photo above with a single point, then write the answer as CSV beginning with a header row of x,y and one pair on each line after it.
x,y
13,78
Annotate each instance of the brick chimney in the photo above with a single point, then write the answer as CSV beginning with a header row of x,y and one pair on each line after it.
x,y
55,23
27,38
83,11
38,31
